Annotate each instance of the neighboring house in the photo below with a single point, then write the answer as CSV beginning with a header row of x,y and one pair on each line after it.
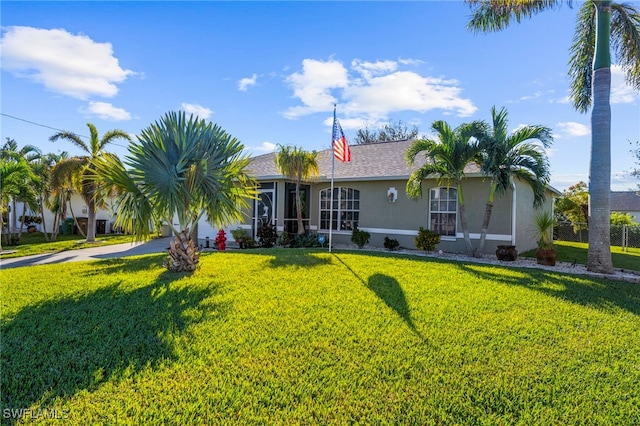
x,y
369,193
626,202
104,219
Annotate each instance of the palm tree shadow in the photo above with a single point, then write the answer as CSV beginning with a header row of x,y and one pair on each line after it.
x,y
389,291
59,347
586,291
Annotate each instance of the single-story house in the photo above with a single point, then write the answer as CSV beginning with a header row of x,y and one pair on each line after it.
x,y
369,193
626,202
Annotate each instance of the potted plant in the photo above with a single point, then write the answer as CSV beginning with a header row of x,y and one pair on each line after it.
x,y
239,235
546,252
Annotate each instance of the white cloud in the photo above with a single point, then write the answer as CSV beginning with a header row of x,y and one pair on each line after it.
x,y
621,92
372,91
573,129
313,86
197,110
106,111
73,65
244,83
265,147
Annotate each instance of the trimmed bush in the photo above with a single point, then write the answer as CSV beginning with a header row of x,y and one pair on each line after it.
x,y
391,243
360,238
427,239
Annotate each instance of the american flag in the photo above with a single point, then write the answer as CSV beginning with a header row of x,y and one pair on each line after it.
x,y
340,146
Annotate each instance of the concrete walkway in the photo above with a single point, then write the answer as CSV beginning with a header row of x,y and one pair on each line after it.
x,y
157,245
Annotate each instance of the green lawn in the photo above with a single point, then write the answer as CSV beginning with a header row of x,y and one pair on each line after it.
x,y
35,243
287,336
577,252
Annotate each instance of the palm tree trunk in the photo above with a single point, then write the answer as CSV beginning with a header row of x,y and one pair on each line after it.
x,y
24,212
599,255
44,223
14,220
91,222
485,221
299,209
183,255
463,219
75,220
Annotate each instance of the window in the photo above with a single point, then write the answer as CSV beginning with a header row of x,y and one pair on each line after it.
x,y
346,208
443,208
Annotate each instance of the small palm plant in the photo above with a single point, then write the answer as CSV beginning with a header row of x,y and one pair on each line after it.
x,y
543,228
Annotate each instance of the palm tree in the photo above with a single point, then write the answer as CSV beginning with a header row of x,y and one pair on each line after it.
x,y
178,168
51,197
79,169
600,23
25,190
298,165
506,156
446,158
13,174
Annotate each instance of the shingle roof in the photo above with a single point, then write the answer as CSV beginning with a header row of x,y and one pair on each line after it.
x,y
370,161
625,201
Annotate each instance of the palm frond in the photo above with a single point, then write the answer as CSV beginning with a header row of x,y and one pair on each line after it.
x,y
491,15
625,41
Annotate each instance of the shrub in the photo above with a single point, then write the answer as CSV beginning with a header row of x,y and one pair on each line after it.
x,y
285,239
390,243
427,239
360,238
249,242
305,241
239,233
267,235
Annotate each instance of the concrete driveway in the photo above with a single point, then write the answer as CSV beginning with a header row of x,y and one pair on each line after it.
x,y
157,245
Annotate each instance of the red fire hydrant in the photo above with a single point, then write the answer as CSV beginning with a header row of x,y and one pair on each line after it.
x,y
220,239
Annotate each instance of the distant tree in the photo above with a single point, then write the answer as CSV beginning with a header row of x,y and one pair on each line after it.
x,y
619,218
636,153
389,132
573,206
298,165
13,174
446,156
80,169
24,190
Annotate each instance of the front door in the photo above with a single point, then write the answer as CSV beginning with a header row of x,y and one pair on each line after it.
x,y
264,209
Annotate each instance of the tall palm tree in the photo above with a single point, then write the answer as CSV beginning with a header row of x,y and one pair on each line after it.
x,y
183,168
513,155
79,169
447,156
48,196
600,24
298,165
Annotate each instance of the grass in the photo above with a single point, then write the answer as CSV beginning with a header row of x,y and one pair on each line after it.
x,y
568,251
307,337
35,243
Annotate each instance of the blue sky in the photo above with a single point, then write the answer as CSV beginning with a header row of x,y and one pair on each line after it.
x,y
270,72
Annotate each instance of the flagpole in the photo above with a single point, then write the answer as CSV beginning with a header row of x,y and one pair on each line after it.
x,y
333,162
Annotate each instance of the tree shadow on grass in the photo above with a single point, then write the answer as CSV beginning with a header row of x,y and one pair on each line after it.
x,y
59,347
582,290
285,257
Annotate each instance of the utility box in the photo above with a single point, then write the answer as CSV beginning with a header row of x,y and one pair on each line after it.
x,y
68,227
